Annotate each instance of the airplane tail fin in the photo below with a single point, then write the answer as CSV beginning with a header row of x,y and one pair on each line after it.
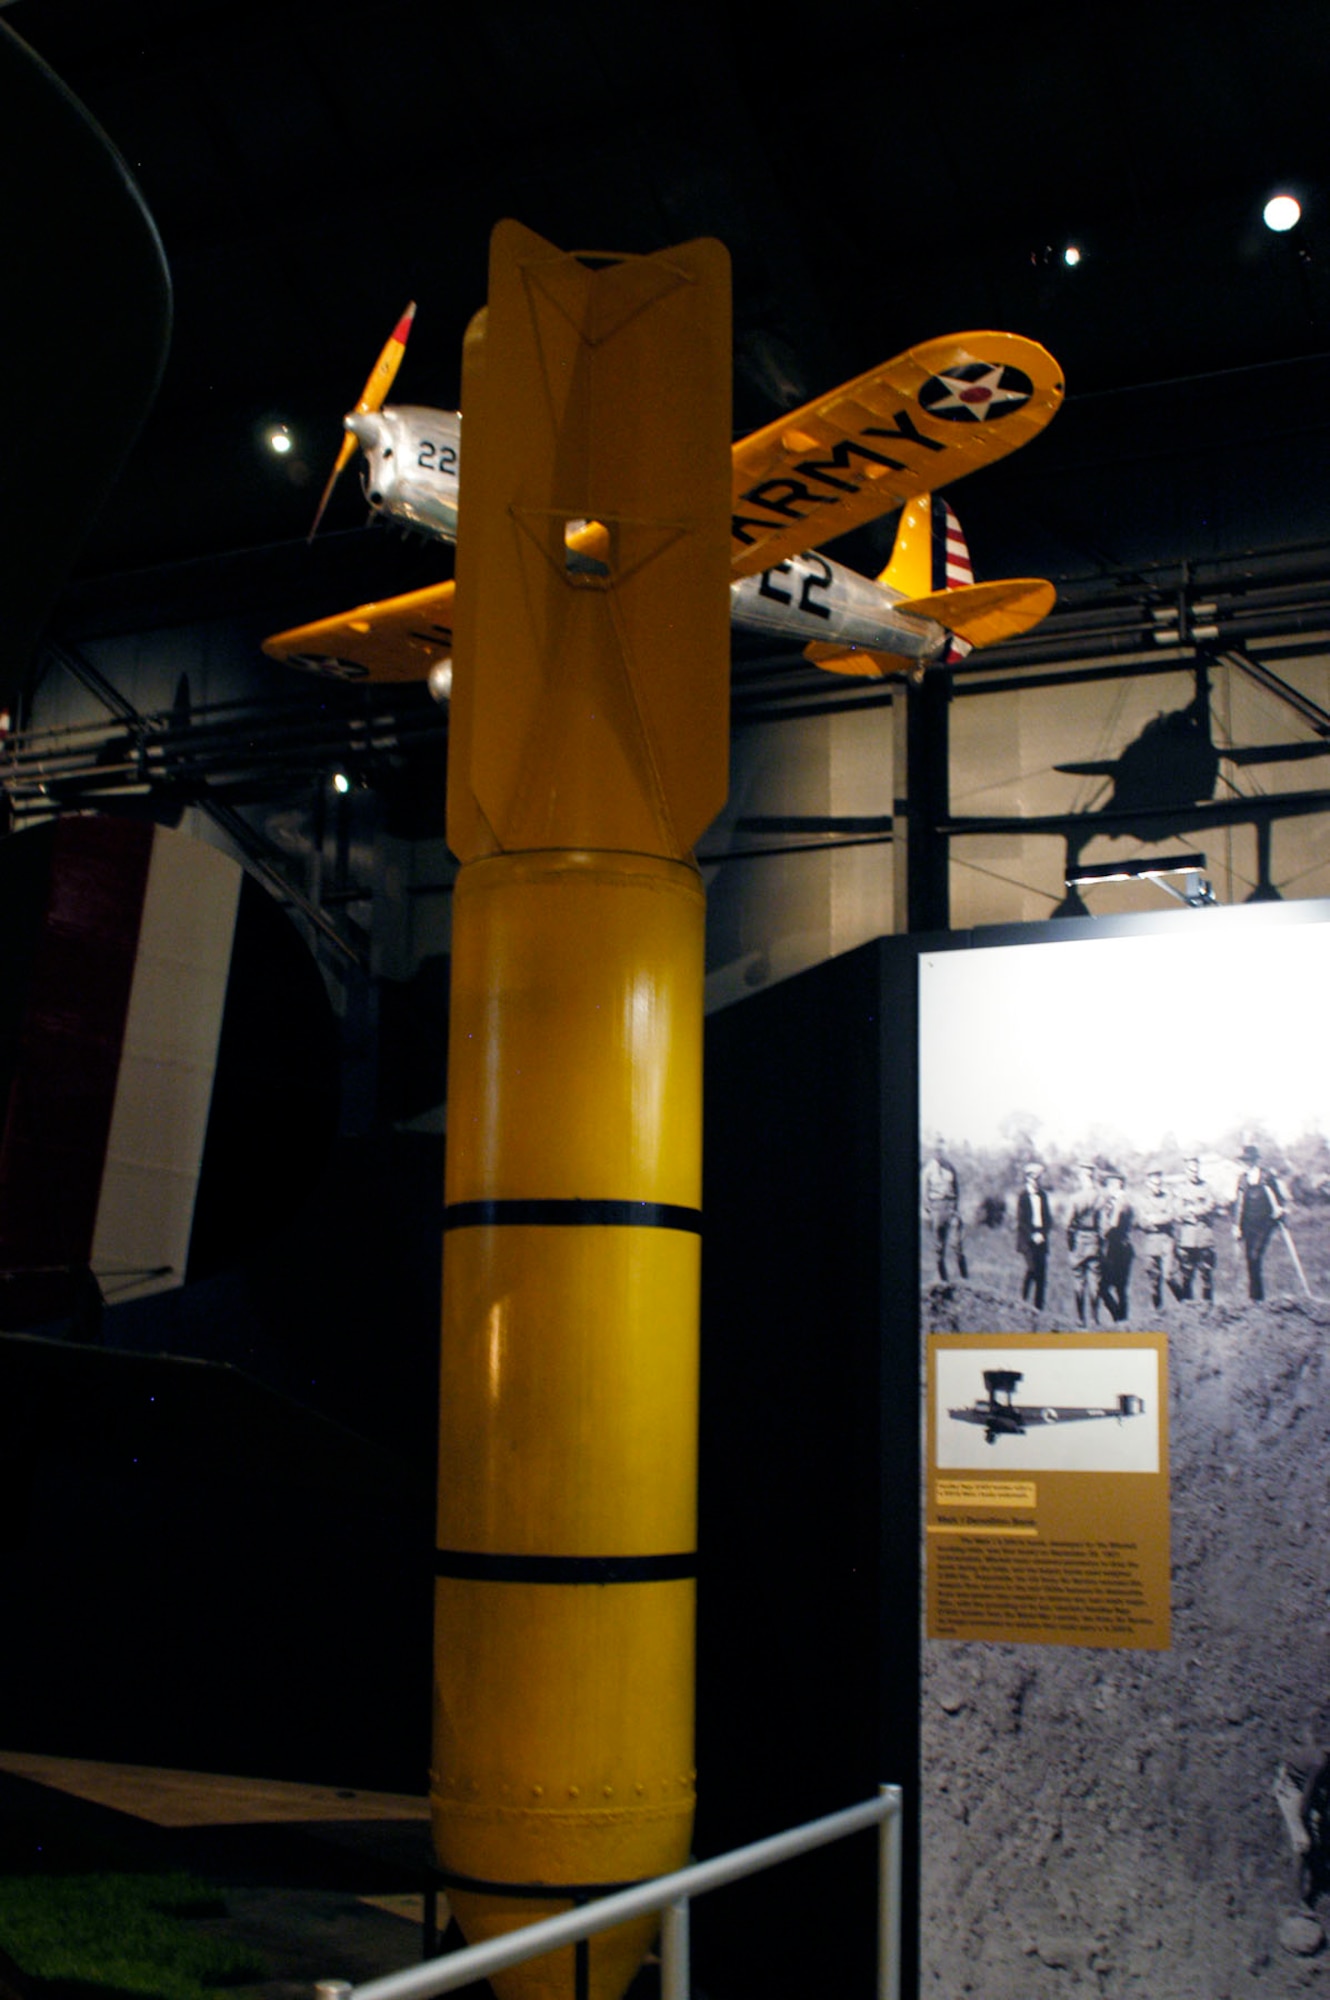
x,y
929,553
930,566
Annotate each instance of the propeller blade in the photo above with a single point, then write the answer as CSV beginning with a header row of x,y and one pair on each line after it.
x,y
381,378
343,459
384,372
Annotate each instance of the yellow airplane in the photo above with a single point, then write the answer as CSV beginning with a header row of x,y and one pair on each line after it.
x,y
886,440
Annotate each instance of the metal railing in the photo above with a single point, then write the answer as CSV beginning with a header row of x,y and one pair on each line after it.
x,y
670,1895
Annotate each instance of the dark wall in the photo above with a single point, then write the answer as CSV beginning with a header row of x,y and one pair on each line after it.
x,y
214,1625
216,1532
808,1594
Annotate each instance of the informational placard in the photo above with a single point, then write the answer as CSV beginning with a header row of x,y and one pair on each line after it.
x,y
1124,1310
1047,1501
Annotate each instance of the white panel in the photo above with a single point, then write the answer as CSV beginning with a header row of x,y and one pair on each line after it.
x,y
159,1121
777,913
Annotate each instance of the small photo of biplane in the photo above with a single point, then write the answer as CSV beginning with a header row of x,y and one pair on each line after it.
x,y
1000,1416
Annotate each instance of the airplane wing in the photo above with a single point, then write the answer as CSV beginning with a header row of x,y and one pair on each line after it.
x,y
398,639
936,412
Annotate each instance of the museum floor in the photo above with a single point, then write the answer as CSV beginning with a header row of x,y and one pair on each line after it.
x,y
319,1883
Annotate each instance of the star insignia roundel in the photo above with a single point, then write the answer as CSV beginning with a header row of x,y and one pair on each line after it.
x,y
976,392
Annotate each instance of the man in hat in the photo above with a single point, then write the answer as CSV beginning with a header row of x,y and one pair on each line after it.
x,y
1197,1205
1034,1224
1259,1207
1085,1243
1156,1220
1115,1232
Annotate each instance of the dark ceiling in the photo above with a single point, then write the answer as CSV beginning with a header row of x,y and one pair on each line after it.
x,y
880,174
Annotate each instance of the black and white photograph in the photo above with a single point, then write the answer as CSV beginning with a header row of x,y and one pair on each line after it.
x,y
1080,1409
1116,1129
1129,1133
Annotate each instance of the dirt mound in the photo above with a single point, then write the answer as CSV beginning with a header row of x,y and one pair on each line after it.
x,y
1104,1820
962,1307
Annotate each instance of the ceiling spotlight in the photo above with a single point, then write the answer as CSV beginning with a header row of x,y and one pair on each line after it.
x,y
1072,255
1281,212
280,440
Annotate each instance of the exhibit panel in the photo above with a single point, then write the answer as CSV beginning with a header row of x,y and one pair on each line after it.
x,y
1123,1302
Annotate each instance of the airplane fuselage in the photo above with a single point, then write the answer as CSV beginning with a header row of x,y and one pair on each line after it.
x,y
413,459
412,456
812,598
999,1416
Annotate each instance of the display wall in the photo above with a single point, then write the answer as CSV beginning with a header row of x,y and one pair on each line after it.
x,y
1112,1750
1087,745
808,1563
